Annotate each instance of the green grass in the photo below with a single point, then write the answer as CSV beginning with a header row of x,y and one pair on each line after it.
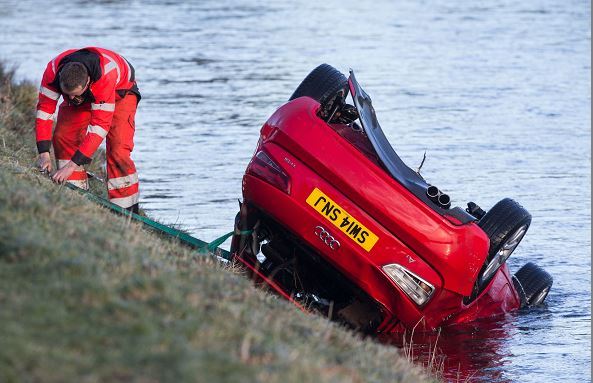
x,y
88,296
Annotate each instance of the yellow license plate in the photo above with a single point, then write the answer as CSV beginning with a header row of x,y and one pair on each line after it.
x,y
341,219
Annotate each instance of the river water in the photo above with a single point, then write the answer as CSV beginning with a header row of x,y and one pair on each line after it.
x,y
497,93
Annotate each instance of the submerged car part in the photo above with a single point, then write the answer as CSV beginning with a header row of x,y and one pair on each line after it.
x,y
533,284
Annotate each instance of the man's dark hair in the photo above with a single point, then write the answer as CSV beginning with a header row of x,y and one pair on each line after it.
x,y
73,75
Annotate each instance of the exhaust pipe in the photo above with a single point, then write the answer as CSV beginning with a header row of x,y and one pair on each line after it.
x,y
433,193
441,199
444,200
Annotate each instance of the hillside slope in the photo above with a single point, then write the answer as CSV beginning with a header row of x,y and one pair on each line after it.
x,y
88,296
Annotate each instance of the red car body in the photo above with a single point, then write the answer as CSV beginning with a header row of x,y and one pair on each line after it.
x,y
324,184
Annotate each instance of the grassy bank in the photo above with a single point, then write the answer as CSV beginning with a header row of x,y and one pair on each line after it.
x,y
87,296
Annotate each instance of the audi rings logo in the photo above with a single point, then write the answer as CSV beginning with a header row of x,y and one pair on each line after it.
x,y
327,238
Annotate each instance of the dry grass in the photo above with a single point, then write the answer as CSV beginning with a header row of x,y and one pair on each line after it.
x,y
87,296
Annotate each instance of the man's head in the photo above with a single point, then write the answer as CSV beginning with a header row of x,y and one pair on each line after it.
x,y
74,81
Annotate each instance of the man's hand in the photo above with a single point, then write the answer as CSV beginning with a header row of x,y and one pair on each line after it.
x,y
63,173
44,162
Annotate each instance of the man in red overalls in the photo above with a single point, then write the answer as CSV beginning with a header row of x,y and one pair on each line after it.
x,y
100,99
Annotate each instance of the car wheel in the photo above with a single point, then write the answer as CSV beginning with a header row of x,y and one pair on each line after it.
x,y
506,224
325,84
533,284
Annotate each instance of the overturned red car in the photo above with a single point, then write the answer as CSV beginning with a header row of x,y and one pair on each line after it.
x,y
335,221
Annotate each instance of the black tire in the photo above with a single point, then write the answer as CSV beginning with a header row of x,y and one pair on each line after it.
x,y
506,224
236,238
325,84
244,240
503,219
533,284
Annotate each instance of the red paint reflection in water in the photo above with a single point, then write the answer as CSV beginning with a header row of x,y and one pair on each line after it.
x,y
473,352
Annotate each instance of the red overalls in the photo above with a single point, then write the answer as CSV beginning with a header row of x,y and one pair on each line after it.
x,y
108,112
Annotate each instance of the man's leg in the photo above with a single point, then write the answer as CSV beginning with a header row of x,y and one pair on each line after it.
x,y
122,179
70,130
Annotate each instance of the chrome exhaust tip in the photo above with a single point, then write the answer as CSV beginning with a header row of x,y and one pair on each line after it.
x,y
433,192
444,200
438,197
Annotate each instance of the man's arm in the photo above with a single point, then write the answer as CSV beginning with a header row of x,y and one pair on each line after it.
x,y
46,107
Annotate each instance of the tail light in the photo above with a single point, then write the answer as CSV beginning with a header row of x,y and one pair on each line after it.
x,y
415,287
264,167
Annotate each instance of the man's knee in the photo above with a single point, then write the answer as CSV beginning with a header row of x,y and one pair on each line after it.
x,y
119,152
120,157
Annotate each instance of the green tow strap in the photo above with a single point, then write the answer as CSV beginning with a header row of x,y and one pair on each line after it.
x,y
219,241
201,246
